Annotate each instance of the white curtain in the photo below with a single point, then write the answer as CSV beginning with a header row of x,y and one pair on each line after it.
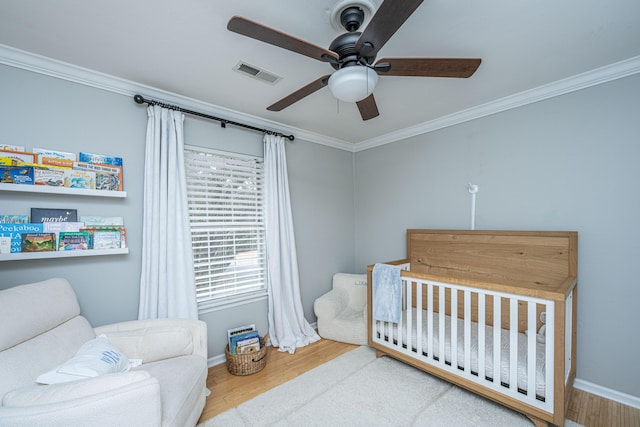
x,y
167,282
288,329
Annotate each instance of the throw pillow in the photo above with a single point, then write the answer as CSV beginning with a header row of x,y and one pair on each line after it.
x,y
95,357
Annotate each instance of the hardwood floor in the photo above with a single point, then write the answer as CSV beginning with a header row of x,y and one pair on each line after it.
x,y
228,391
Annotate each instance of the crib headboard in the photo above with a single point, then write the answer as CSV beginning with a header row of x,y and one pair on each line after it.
x,y
542,261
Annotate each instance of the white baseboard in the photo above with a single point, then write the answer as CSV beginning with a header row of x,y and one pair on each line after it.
x,y
607,393
216,360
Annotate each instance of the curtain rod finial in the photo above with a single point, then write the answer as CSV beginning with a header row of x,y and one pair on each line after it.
x,y
139,99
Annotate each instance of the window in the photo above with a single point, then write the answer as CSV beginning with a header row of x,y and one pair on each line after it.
x,y
226,212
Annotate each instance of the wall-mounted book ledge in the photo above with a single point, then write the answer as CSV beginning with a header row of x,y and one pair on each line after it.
x,y
61,254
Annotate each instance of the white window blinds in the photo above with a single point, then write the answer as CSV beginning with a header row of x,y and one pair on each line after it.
x,y
226,211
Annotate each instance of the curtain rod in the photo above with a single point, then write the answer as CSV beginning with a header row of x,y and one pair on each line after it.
x,y
139,99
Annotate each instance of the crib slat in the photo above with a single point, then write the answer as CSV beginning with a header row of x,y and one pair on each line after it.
x,y
531,349
513,344
419,319
409,311
467,332
482,344
453,320
549,350
441,324
497,348
430,320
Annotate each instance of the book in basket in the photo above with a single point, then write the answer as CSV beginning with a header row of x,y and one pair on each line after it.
x,y
238,341
245,343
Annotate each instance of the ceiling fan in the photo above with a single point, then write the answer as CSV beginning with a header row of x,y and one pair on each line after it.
x,y
353,53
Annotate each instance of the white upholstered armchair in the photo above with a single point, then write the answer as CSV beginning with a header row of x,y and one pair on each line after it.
x,y
41,330
341,312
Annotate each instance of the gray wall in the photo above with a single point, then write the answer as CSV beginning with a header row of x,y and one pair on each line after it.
x,y
567,163
41,111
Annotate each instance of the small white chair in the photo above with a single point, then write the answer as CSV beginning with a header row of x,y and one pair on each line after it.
x,y
341,312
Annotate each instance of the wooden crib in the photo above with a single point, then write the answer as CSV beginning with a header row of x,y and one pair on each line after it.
x,y
459,284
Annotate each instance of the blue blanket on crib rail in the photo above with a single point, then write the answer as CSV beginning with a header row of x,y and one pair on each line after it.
x,y
387,293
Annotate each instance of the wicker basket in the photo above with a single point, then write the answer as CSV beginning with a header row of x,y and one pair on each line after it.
x,y
247,363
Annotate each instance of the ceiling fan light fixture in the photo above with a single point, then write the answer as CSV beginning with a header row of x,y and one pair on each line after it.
x,y
353,84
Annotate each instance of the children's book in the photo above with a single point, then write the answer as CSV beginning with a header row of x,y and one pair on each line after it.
x,y
38,242
15,231
239,341
14,219
108,177
53,215
73,241
43,152
237,331
101,159
16,175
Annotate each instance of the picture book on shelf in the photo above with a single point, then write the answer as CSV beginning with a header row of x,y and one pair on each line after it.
x,y
5,245
107,239
38,242
73,241
14,219
54,161
5,147
80,179
57,227
101,159
107,236
15,231
92,220
43,152
48,176
20,156
108,177
53,215
16,175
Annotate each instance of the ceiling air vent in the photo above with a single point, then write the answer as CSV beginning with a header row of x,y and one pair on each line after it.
x,y
256,72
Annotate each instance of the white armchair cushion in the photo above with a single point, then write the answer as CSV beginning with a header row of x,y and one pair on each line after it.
x,y
95,357
133,337
45,394
53,300
151,344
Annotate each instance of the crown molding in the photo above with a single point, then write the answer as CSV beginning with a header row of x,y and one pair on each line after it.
x,y
50,67
65,71
585,80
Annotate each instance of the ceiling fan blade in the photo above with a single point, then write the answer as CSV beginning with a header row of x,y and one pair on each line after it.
x,y
385,22
430,67
300,93
265,34
368,108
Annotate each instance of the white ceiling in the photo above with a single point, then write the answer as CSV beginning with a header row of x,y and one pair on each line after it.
x,y
183,47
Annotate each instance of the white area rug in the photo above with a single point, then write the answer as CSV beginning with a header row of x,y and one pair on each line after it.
x,y
356,389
